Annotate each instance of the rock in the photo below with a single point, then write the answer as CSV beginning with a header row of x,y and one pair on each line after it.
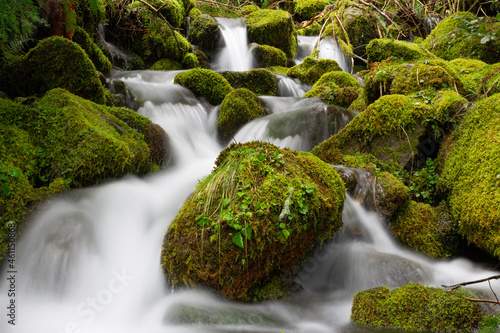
x,y
416,308
172,10
471,175
206,83
166,64
260,81
336,88
238,108
205,33
449,41
311,69
246,236
381,49
267,56
274,28
101,63
190,61
306,9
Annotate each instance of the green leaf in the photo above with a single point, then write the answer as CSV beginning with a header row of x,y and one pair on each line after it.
x,y
202,220
213,238
282,225
485,39
498,17
247,232
5,189
226,202
238,240
13,172
286,233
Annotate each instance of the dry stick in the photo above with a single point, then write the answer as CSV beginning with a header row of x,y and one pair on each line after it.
x,y
223,5
492,136
316,47
458,285
482,300
489,283
104,41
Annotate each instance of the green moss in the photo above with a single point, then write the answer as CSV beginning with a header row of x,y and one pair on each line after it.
x,y
202,59
336,88
165,65
204,32
471,174
416,308
359,104
238,108
267,56
449,106
385,48
454,38
194,13
285,202
206,83
274,28
311,70
89,18
472,72
420,227
101,63
306,9
248,9
259,81
162,42
311,30
57,62
190,60
172,10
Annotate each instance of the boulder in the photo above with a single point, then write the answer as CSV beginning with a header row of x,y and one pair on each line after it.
x,y
205,33
267,56
381,49
307,9
336,88
260,81
274,28
205,83
311,69
249,225
416,308
101,63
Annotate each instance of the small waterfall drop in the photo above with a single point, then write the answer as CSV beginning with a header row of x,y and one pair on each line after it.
x,y
234,55
288,87
329,48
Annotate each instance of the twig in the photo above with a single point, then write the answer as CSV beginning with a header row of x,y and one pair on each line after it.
x,y
482,300
492,136
458,285
104,41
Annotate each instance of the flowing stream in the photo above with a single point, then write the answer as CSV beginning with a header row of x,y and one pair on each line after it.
x,y
90,259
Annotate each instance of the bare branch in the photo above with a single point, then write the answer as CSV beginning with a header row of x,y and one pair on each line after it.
x,y
458,285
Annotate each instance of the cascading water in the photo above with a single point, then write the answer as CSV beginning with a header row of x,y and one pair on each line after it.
x,y
329,48
90,259
234,55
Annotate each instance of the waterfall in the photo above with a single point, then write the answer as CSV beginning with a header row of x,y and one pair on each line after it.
x,y
89,261
329,48
234,55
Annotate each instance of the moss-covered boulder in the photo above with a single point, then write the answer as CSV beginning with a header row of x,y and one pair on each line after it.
x,y
260,81
205,83
390,129
57,62
425,229
250,224
166,64
101,63
471,174
384,48
306,9
190,60
238,108
336,88
463,35
172,10
311,69
416,308
274,28
204,32
267,56
80,141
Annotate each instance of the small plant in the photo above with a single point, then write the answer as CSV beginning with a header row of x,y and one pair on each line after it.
x,y
478,27
4,176
422,183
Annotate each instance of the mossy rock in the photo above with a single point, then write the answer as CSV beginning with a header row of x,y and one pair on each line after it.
x,y
206,83
474,74
449,106
248,9
384,48
267,56
163,44
311,69
205,33
89,14
336,88
57,62
311,30
260,81
79,140
101,63
390,129
425,229
203,59
449,41
190,61
471,174
274,28
306,9
238,108
250,224
166,64
172,10
194,13
416,308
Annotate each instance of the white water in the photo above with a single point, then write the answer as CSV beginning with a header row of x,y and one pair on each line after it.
x,y
328,49
235,55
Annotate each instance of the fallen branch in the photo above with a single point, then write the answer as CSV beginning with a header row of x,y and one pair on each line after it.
x,y
482,300
458,285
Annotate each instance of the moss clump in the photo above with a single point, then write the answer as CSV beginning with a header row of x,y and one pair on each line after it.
x,y
206,83
190,61
57,62
311,70
471,173
172,10
336,88
259,81
248,9
389,129
450,41
449,106
202,59
311,30
267,56
253,221
101,63
417,308
238,108
424,229
204,32
385,48
274,28
165,65
306,9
